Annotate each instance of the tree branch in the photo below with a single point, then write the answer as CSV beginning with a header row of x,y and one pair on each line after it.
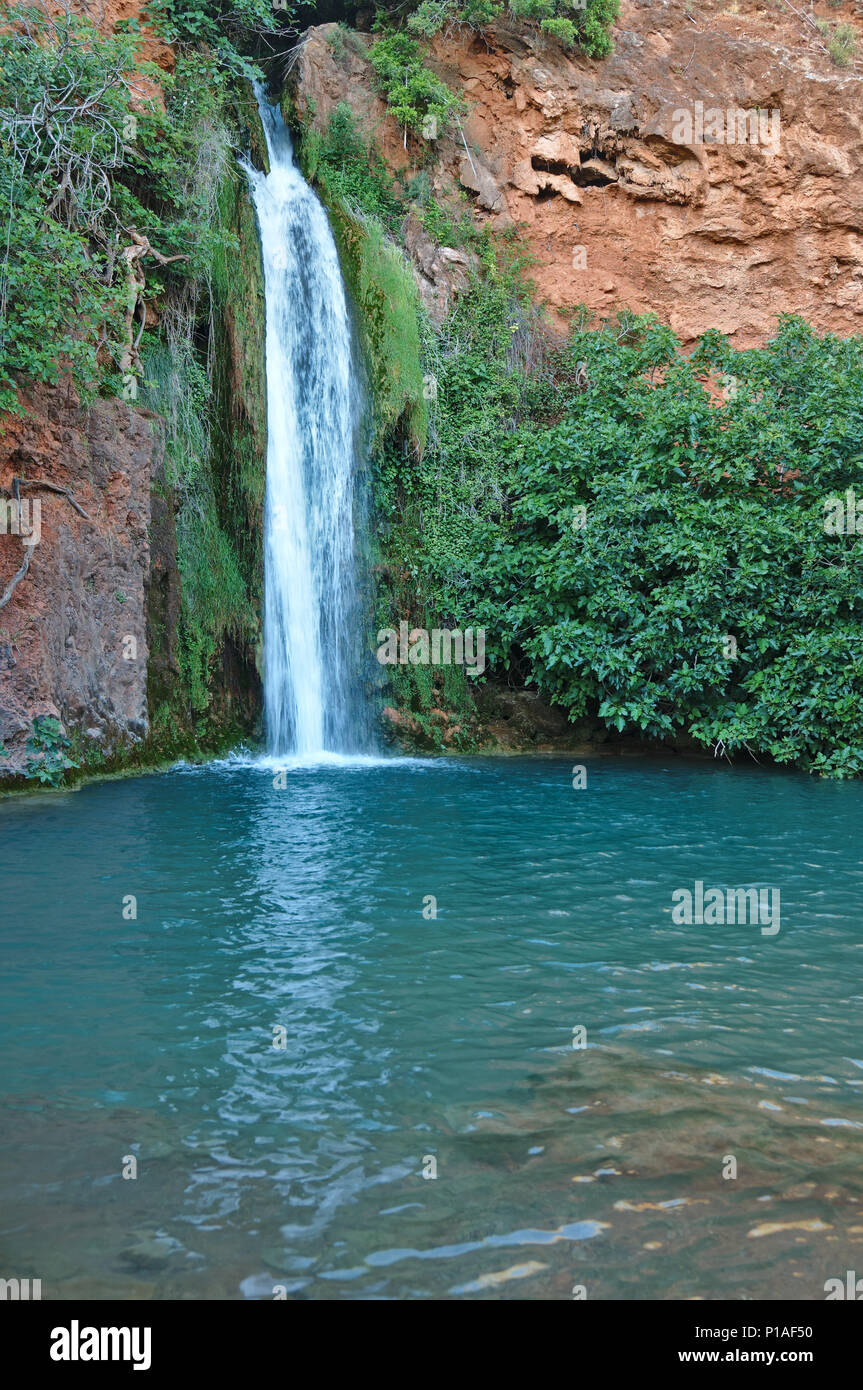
x,y
52,487
16,579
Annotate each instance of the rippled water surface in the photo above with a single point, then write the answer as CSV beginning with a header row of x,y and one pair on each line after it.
x,y
410,1039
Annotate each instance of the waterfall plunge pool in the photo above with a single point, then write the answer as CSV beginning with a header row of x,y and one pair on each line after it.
x,y
410,1044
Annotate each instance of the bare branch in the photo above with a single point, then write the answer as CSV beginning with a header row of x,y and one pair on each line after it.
x,y
16,579
52,487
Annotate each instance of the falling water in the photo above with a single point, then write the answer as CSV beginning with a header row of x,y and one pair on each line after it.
x,y
312,694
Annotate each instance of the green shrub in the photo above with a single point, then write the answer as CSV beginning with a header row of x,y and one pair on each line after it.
x,y
77,169
589,27
47,758
346,168
842,44
64,101
561,29
704,522
702,597
227,27
413,93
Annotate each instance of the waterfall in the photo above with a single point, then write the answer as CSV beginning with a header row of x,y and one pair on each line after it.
x,y
313,701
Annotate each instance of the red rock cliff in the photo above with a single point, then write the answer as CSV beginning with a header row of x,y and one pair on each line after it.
x,y
582,154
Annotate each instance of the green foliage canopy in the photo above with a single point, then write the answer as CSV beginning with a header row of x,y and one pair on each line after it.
x,y
703,521
78,168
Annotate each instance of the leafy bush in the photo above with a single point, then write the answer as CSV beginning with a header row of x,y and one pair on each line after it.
x,y
589,27
78,170
561,29
842,44
64,100
347,168
227,27
697,594
703,521
413,93
47,759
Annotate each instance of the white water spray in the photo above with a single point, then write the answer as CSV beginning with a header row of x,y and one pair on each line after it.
x,y
312,697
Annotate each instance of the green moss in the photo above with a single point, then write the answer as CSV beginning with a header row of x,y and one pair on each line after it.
x,y
385,293
248,118
239,404
365,210
205,375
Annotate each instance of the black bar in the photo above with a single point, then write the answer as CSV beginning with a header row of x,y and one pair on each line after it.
x,y
252,1338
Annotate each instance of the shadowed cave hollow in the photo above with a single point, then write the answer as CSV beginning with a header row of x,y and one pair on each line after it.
x,y
586,175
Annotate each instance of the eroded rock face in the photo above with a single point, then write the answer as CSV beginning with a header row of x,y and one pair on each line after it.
x,y
621,212
73,636
331,68
442,272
